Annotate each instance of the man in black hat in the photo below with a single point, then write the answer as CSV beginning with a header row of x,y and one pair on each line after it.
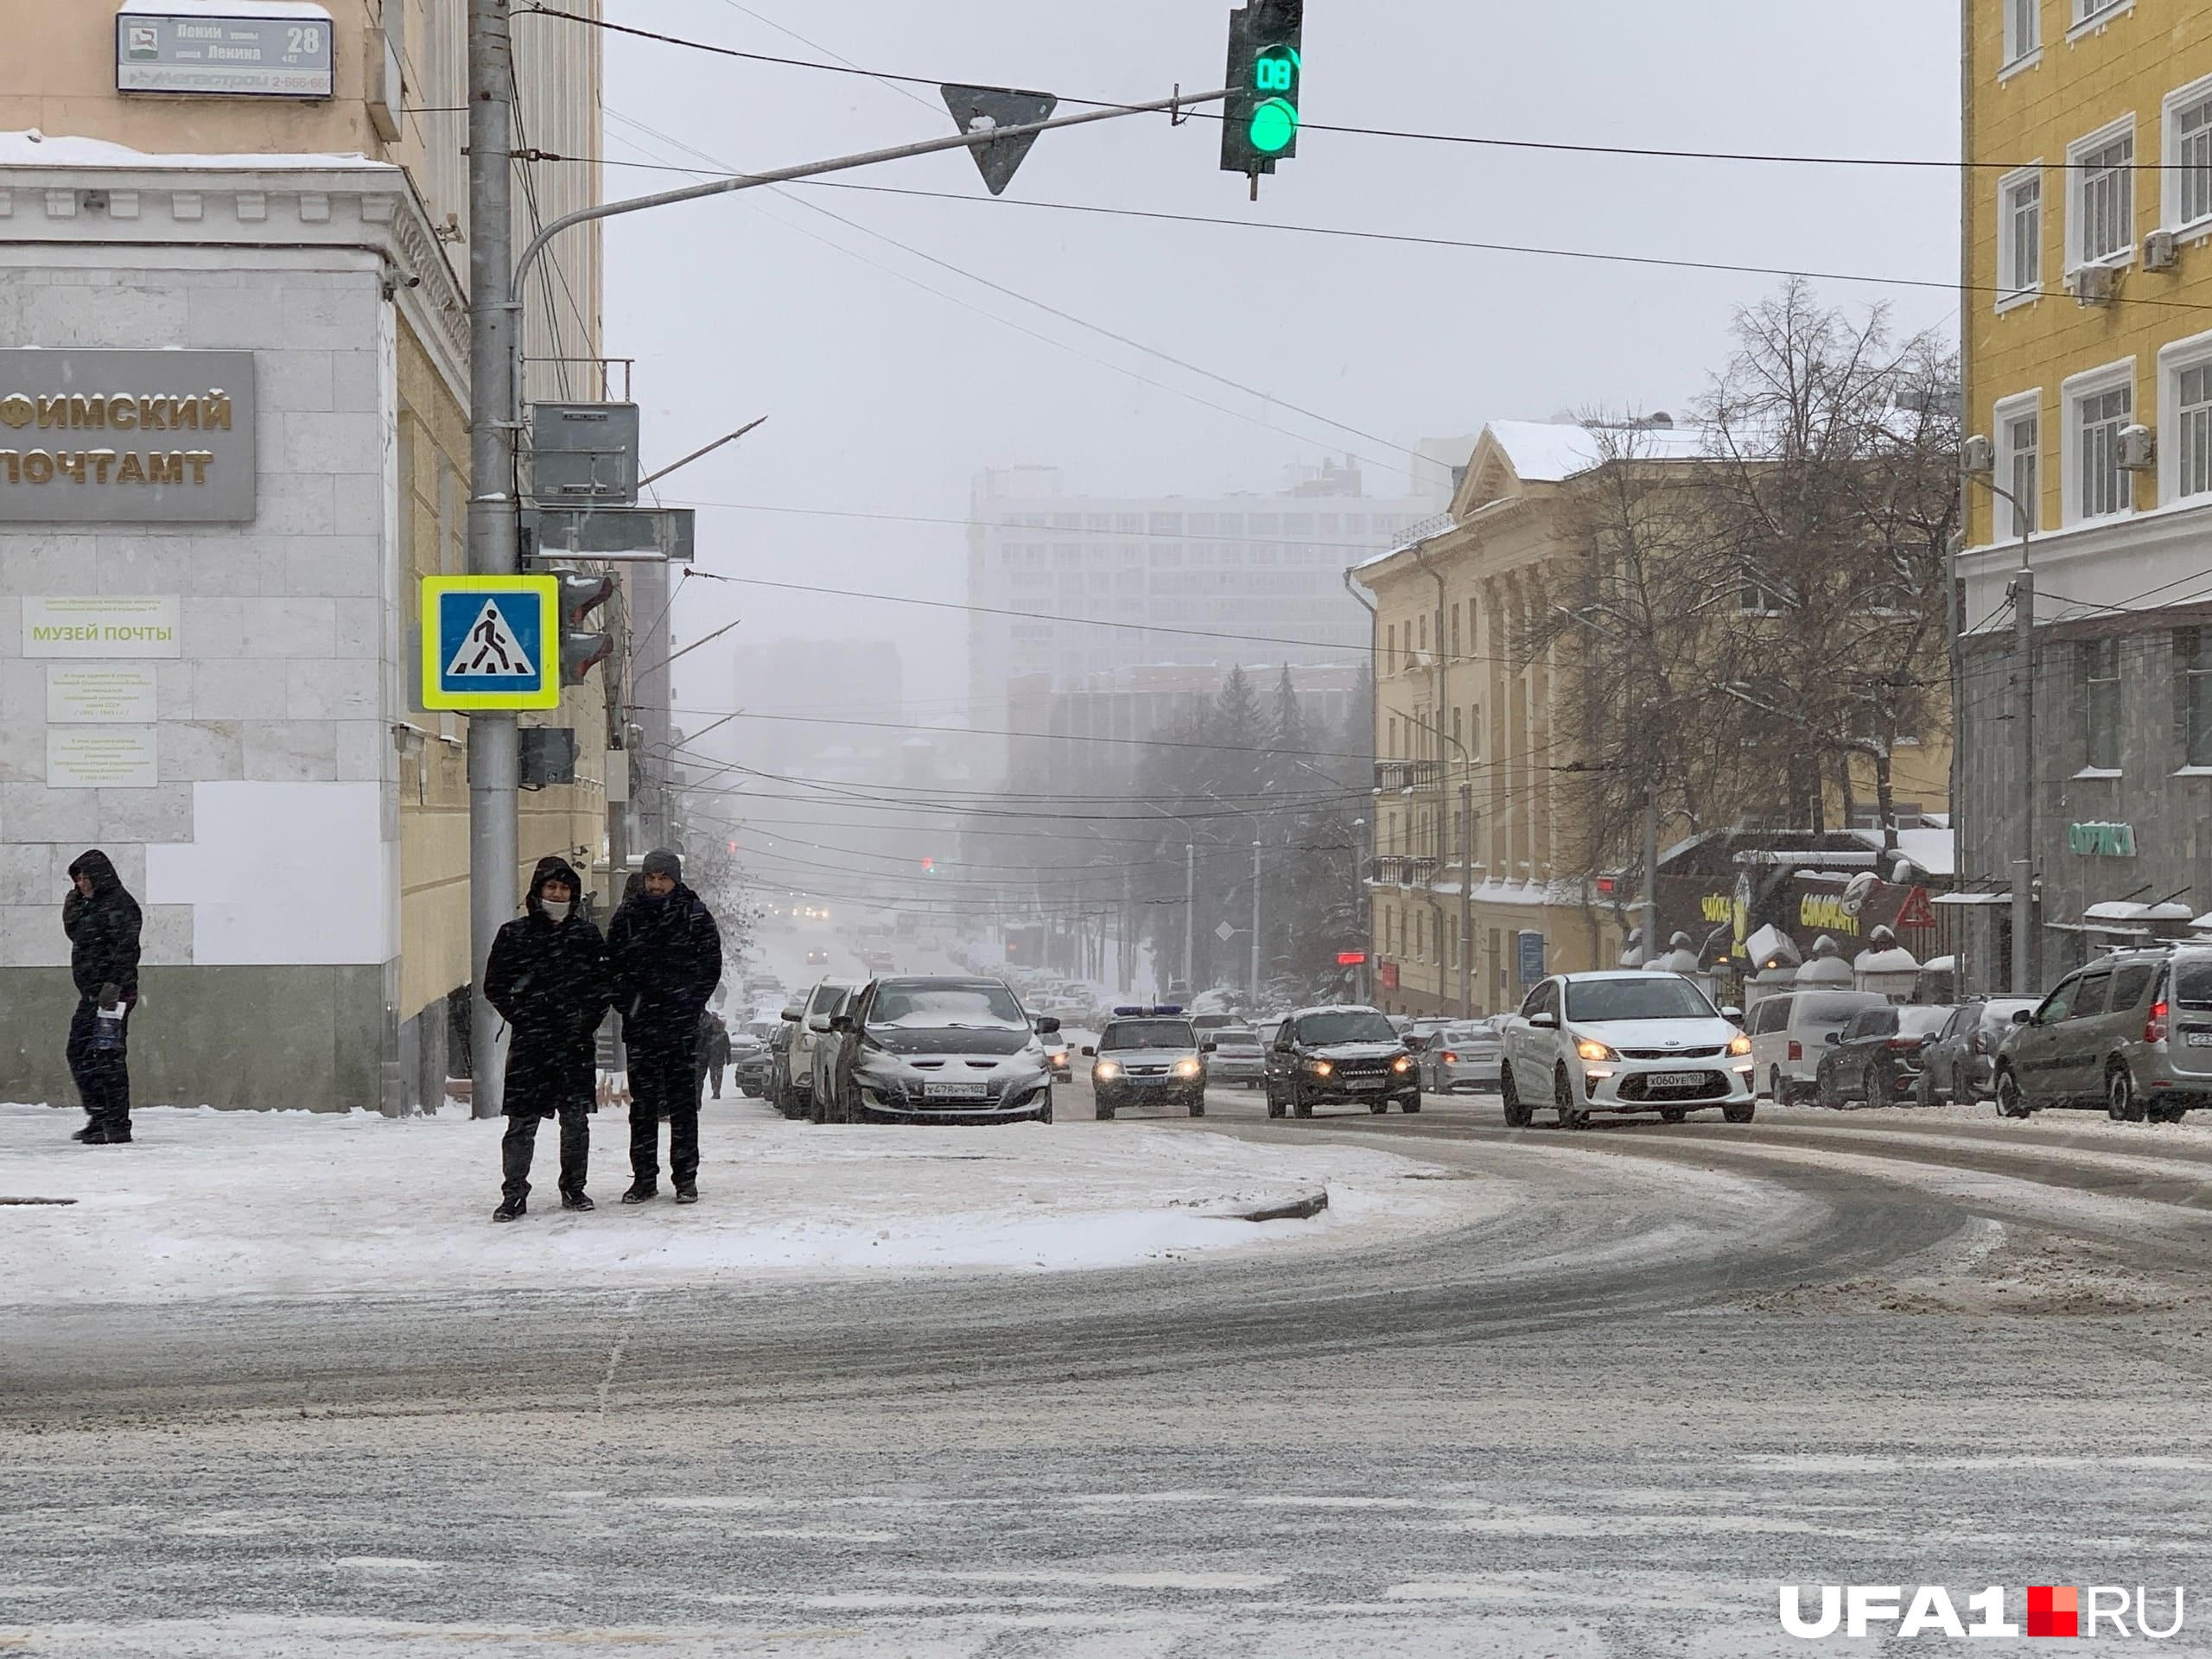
x,y
547,977
666,957
102,920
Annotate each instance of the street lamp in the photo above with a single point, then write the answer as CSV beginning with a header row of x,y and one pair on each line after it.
x,y
1981,467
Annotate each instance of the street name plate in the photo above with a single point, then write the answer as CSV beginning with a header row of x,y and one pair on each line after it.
x,y
263,51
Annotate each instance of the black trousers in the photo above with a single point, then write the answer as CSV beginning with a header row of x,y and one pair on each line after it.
x,y
102,1075
520,1143
663,1080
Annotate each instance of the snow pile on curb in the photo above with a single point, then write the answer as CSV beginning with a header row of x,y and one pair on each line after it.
x,y
213,1204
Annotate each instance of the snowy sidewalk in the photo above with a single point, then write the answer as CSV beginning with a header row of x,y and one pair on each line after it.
x,y
213,1204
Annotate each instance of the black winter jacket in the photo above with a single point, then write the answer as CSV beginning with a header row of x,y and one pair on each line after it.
x,y
103,931
549,981
666,955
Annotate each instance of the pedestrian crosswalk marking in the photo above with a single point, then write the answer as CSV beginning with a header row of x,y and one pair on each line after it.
x,y
489,649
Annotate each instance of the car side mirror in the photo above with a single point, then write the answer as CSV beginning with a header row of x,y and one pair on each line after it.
x,y
841,1022
1208,1048
2023,1016
1737,1014
1543,1023
819,1024
1047,1026
793,1013
1088,1051
1834,1039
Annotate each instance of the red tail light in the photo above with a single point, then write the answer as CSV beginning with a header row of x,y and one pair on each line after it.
x,y
2154,1028
1449,1059
1905,1042
1796,1049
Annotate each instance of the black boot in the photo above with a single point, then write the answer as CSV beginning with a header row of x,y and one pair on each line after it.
x,y
90,1131
639,1192
686,1192
577,1201
511,1209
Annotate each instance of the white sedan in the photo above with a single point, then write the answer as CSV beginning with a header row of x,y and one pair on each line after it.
x,y
1632,1041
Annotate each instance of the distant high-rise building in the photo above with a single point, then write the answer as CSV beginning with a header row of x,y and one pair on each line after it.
x,y
1180,581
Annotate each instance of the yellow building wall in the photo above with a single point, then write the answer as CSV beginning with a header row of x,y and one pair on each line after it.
x,y
2125,63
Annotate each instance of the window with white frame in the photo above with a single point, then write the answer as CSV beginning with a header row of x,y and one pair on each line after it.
x,y
2089,10
2190,433
2023,28
2019,234
2019,461
2100,485
2188,176
2102,197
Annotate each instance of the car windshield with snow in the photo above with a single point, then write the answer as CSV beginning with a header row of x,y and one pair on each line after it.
x,y
1651,996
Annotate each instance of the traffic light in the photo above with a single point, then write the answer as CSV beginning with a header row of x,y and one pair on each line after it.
x,y
929,866
582,649
1266,67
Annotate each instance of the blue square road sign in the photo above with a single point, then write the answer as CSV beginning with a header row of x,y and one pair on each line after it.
x,y
491,644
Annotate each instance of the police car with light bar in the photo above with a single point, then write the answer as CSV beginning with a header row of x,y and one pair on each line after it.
x,y
1149,1056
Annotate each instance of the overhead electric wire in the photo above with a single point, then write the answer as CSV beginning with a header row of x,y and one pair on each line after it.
x,y
720,716
1063,315
1472,140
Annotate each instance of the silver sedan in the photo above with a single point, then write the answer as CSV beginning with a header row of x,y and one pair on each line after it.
x,y
1461,1059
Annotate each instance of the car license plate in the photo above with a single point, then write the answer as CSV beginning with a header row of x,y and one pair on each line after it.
x,y
956,1092
2196,1039
1363,1082
1675,1079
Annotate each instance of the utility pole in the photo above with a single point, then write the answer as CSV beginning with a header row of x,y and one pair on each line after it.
x,y
494,329
2025,977
1255,925
1189,916
1650,871
1466,899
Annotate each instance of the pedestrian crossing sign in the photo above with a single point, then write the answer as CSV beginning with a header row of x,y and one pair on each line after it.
x,y
491,644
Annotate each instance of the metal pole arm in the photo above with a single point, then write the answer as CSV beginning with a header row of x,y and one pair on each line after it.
x,y
842,164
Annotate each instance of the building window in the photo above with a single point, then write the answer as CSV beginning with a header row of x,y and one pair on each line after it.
x,y
2019,440
2100,672
2192,431
2102,206
2023,30
2188,128
1390,648
2098,404
1455,633
2086,11
2193,673
2019,236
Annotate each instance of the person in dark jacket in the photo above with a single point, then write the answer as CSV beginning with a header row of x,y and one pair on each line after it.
x,y
547,977
714,1051
666,955
101,921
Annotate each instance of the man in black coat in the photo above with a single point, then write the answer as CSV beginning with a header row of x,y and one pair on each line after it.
x,y
547,977
666,955
101,921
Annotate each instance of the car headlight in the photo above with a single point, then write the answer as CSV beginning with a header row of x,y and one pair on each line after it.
x,y
1739,1044
1402,1064
1321,1068
1187,1068
1591,1050
1105,1071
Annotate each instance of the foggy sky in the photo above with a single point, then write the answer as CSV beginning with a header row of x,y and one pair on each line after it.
x,y
888,383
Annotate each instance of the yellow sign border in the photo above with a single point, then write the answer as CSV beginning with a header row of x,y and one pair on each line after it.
x,y
548,590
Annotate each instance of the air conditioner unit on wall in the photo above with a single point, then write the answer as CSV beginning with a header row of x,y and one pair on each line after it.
x,y
2092,284
2137,448
2160,251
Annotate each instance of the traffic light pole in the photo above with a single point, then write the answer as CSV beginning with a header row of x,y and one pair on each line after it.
x,y
495,334
495,288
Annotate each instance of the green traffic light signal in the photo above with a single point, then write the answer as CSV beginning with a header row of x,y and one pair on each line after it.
x,y
1261,121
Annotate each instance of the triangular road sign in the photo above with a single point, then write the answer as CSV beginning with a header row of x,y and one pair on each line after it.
x,y
491,650
1916,910
985,109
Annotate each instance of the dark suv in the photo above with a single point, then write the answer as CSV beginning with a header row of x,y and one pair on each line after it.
x,y
1341,1055
2132,1033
